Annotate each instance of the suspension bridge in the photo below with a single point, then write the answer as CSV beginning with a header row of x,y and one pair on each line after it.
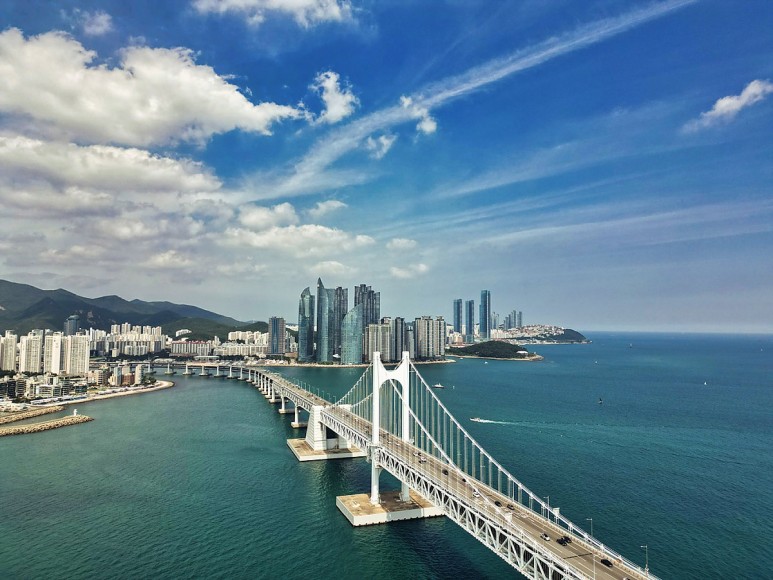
x,y
395,420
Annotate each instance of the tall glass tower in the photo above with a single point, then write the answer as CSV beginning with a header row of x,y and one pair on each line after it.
x,y
306,326
351,336
485,314
458,315
469,321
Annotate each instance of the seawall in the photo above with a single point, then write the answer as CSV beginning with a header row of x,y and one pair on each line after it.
x,y
45,426
29,414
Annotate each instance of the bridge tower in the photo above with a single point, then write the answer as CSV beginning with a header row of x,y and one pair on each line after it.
x,y
381,375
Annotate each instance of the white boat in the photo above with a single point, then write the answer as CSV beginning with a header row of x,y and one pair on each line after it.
x,y
476,419
438,386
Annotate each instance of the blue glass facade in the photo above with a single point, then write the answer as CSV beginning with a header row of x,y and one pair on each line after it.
x,y
352,330
306,326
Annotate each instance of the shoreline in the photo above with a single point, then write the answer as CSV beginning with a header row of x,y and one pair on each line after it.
x,y
533,357
90,398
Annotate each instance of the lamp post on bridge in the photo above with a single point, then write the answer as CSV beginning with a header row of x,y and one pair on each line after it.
x,y
547,497
646,560
594,553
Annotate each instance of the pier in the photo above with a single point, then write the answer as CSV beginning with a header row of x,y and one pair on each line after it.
x,y
45,425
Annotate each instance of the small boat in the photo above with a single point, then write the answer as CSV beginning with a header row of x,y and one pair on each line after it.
x,y
438,386
476,419
601,401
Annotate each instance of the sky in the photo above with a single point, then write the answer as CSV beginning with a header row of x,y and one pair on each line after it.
x,y
599,165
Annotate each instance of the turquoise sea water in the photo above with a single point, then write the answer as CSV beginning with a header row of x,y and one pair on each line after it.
x,y
197,481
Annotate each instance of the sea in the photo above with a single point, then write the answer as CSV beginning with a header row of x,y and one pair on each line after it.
x,y
662,440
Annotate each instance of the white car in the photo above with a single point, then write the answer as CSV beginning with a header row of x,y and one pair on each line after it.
x,y
544,536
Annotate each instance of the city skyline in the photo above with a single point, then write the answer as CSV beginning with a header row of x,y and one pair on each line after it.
x,y
600,166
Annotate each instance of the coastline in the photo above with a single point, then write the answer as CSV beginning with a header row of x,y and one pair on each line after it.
x,y
533,357
91,397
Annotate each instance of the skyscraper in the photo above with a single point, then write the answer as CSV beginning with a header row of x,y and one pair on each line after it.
x,y
398,338
485,314
306,326
72,325
430,337
8,355
469,322
351,336
276,335
458,315
371,302
340,308
325,305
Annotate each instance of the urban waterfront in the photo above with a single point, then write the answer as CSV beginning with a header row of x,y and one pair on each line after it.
x,y
197,481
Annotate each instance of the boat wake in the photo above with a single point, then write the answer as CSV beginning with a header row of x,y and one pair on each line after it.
x,y
479,420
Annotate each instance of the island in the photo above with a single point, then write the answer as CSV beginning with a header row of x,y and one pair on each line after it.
x,y
493,349
545,334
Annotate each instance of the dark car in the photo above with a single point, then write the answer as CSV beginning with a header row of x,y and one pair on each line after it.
x,y
445,472
498,503
567,540
510,506
606,562
562,541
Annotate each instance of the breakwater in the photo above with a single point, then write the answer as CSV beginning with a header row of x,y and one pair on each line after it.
x,y
44,426
29,414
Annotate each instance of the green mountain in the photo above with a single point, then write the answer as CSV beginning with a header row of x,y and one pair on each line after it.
x,y
24,307
489,349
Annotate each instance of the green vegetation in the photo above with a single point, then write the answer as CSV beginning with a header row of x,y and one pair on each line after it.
x,y
490,349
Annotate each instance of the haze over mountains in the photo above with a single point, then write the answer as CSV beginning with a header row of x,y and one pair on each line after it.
x,y
24,307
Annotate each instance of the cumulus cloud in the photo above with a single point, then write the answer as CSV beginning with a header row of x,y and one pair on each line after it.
x,y
401,244
726,108
155,96
306,13
339,102
380,146
169,260
262,218
303,240
411,271
323,208
330,268
96,23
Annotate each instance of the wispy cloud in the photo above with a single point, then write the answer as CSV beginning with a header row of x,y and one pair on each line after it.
x,y
306,13
304,178
726,108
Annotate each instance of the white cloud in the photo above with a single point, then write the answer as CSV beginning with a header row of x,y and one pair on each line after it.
x,y
263,218
300,241
169,260
155,96
331,268
380,146
726,108
96,23
305,12
323,208
411,271
339,103
401,244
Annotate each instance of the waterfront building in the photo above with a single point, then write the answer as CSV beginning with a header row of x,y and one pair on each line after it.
x,y
430,337
340,308
72,325
469,322
325,332
305,326
371,302
8,352
351,336
398,338
31,352
190,348
458,315
276,335
53,353
485,315
378,338
75,355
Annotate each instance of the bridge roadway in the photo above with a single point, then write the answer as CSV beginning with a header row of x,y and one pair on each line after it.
x,y
509,528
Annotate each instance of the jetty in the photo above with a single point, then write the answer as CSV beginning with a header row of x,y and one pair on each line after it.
x,y
21,415
45,425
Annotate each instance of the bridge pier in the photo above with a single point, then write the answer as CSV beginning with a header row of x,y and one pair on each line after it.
x,y
318,445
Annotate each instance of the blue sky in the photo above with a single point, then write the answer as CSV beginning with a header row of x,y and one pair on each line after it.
x,y
597,165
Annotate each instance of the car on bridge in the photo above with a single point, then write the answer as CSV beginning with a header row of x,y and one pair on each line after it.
x,y
544,536
606,562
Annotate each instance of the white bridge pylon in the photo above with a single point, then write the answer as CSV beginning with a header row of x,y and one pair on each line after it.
x,y
381,375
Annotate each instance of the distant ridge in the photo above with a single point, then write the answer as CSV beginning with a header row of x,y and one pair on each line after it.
x,y
24,307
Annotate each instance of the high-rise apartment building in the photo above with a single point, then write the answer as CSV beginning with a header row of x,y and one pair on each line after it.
x,y
485,315
31,352
76,355
458,315
340,308
378,338
469,321
351,336
8,354
306,326
53,353
430,337
398,338
276,335
371,302
325,300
